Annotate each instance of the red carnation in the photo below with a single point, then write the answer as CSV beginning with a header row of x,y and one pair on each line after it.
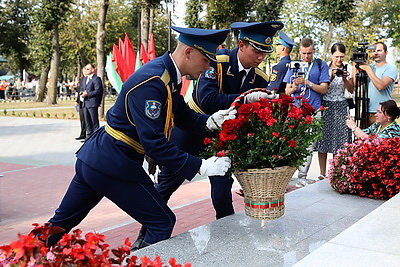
x,y
207,141
308,119
221,153
292,143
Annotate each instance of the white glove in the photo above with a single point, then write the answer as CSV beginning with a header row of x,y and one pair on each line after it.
x,y
215,120
215,166
255,96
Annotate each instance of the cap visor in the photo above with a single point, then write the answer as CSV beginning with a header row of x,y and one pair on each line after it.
x,y
209,56
264,50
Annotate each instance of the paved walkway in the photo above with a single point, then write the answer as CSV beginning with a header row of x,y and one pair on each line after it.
x,y
37,159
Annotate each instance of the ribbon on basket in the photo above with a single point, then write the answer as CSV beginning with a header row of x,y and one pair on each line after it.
x,y
236,103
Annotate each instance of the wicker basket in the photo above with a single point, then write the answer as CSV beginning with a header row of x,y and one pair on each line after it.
x,y
264,191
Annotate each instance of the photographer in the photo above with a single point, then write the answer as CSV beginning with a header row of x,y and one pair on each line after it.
x,y
381,79
310,83
335,132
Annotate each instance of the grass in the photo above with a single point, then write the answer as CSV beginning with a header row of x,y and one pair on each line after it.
x,y
64,109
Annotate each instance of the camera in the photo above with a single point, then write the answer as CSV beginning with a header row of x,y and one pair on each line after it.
x,y
360,53
339,72
297,65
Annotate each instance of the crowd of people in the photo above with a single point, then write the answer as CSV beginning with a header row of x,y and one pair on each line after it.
x,y
326,83
150,118
14,90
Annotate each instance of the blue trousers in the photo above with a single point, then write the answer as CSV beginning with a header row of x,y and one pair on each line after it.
x,y
141,201
91,116
221,186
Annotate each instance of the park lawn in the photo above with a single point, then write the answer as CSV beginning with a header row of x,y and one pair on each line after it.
x,y
64,109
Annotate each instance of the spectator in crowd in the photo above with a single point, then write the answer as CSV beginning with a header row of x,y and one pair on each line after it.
x,y
311,83
3,87
335,132
79,106
109,164
92,95
385,125
283,49
381,76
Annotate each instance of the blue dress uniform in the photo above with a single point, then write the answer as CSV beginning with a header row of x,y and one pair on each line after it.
x,y
110,162
216,89
279,70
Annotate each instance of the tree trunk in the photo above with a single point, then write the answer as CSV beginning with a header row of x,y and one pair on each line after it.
x,y
78,70
42,83
145,22
327,41
101,64
54,65
151,21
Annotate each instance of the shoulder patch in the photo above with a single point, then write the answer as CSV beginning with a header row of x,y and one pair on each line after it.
x,y
210,73
152,109
273,77
222,58
165,77
262,74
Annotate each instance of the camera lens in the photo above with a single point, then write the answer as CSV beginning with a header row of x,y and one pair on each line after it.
x,y
339,72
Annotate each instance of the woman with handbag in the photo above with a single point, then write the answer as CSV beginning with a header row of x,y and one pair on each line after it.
x,y
335,132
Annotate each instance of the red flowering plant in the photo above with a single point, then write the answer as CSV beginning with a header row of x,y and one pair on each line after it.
x,y
71,250
266,134
368,167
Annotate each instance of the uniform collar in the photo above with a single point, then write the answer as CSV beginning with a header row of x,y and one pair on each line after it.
x,y
240,67
178,74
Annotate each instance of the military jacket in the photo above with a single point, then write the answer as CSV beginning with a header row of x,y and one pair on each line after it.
x,y
218,87
147,105
278,73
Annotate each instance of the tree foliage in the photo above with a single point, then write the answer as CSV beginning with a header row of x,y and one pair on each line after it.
x,y
334,13
337,11
14,28
268,10
194,8
299,21
222,13
387,14
27,26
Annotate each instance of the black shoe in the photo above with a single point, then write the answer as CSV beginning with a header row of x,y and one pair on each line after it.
x,y
138,244
143,244
79,138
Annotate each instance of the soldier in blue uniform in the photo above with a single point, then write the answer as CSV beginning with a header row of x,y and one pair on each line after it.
x,y
233,73
283,49
109,164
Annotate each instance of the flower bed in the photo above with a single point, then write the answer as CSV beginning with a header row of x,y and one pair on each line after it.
x,y
368,167
71,250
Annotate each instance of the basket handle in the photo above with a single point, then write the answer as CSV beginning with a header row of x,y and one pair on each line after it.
x,y
242,95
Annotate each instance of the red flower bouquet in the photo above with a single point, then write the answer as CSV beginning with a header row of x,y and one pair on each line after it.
x,y
266,134
368,167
